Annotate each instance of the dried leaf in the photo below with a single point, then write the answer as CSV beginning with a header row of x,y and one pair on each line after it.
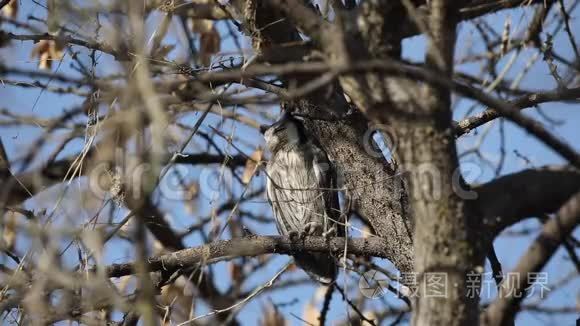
x,y
252,165
236,272
191,207
320,293
366,232
311,314
272,317
9,234
47,51
178,297
158,248
209,45
201,25
192,191
11,9
370,315
215,229
191,194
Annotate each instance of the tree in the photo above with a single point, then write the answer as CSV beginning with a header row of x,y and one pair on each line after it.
x,y
139,197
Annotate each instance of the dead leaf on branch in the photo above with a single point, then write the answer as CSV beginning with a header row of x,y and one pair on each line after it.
x,y
201,25
236,273
192,191
209,38
311,314
9,234
252,165
47,51
11,9
272,317
210,42
190,196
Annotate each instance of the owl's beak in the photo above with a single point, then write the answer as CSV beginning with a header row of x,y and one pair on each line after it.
x,y
263,128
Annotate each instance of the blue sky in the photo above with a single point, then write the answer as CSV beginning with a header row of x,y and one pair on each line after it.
x,y
45,104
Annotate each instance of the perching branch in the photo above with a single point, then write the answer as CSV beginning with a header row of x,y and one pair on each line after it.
x,y
253,246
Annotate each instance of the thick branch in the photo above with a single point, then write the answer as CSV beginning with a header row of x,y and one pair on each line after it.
x,y
511,198
502,311
254,246
440,224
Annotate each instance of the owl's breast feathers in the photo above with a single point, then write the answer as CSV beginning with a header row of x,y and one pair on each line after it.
x,y
301,187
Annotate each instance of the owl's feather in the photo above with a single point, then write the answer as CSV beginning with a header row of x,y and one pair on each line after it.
x,y
301,188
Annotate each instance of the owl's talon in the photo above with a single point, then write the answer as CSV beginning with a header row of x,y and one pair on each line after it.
x,y
312,228
329,233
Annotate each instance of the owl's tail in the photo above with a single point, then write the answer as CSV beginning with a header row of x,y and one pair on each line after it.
x,y
320,267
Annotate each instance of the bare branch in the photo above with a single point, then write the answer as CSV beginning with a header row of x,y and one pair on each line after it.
x,y
253,246
511,198
520,103
503,309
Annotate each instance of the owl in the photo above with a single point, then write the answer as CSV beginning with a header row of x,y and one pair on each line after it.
x,y
302,190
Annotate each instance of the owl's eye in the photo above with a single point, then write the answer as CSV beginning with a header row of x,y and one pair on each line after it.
x,y
279,128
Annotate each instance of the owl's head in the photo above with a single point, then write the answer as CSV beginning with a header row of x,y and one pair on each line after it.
x,y
286,131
